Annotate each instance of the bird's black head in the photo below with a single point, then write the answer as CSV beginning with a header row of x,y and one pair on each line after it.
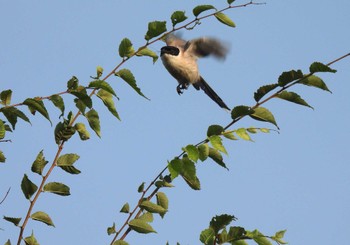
x,y
169,50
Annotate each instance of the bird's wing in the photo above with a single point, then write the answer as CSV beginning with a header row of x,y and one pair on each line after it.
x,y
174,40
205,46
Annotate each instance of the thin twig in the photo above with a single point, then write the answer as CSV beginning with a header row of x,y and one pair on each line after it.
x,y
8,191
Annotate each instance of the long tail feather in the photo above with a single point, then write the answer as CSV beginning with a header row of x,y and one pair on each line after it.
x,y
211,93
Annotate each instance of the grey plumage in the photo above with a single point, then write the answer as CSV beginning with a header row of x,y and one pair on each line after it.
x,y
180,59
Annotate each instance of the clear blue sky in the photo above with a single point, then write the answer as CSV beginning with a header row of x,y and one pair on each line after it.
x,y
297,180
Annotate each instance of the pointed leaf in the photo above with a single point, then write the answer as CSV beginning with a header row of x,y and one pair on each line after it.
x,y
66,162
57,188
8,242
73,83
5,97
315,81
223,18
242,133
39,163
58,102
175,167
236,232
289,76
201,8
192,152
258,237
128,77
155,28
111,230
2,130
99,71
216,156
83,133
149,53
319,67
12,113
107,100
216,142
262,91
141,226
102,85
252,130
278,237
207,236
125,208
214,130
31,240
189,174
120,242
230,1
94,121
263,114
146,216
203,151
13,220
178,17
42,217
37,105
293,97
162,200
28,187
125,48
141,187
229,135
221,221
2,157
152,207
83,97
241,111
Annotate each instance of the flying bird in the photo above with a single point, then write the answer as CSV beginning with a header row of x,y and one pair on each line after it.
x,y
180,59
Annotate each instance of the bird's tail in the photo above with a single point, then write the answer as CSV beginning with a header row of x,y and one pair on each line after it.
x,y
211,93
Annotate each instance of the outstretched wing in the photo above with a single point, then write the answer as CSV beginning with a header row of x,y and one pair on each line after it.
x,y
205,46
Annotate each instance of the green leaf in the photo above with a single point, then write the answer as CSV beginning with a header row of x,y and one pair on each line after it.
x,y
221,221
152,207
83,97
31,240
28,187
263,114
57,188
214,130
141,187
94,121
242,133
241,111
73,83
99,72
315,81
42,217
230,1
236,232
111,230
175,167
278,237
319,67
120,242
63,131
155,28
39,163
37,105
58,102
207,236
5,97
258,237
216,156
203,151
66,162
125,48
149,53
2,130
146,216
125,208
289,76
107,100
83,133
223,18
8,242
12,113
141,226
216,142
178,17
102,85
2,157
229,135
162,200
189,174
192,152
128,77
13,220
201,8
262,91
293,97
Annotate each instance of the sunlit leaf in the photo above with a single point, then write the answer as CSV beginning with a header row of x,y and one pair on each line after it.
x,y
263,114
66,162
111,230
203,151
223,18
149,53
242,133
28,187
316,82
2,157
107,100
12,113
125,48
216,142
31,240
102,85
82,131
155,28
152,207
83,97
201,8
73,83
42,217
57,188
141,226
94,121
39,163
207,236
2,130
278,237
13,220
293,97
162,200
120,242
189,174
192,152
99,72
58,102
175,167
37,105
216,156
125,208
128,77
5,97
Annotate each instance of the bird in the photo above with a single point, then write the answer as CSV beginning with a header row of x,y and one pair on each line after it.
x,y
180,59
